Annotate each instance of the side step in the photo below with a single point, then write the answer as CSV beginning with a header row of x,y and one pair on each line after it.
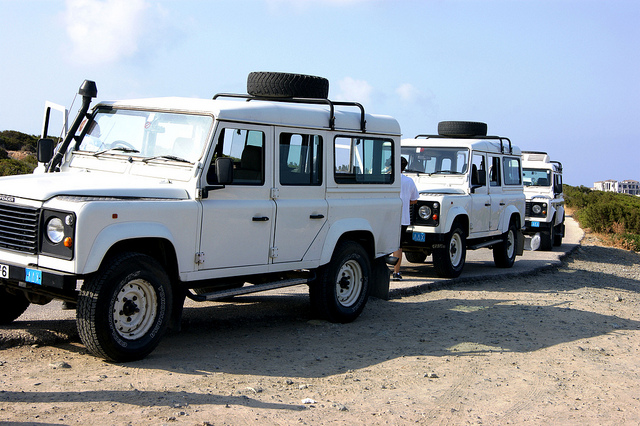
x,y
222,294
485,244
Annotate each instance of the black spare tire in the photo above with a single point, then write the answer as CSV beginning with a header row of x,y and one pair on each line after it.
x,y
287,85
462,129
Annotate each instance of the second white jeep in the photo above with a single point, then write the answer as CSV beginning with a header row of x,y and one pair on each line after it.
x,y
471,196
544,217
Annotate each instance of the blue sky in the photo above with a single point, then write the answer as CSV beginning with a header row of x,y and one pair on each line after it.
x,y
561,76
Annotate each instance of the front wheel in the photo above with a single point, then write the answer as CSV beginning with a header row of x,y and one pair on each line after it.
x,y
449,261
504,254
12,305
124,309
342,287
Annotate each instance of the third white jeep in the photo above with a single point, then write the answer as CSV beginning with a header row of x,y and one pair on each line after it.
x,y
471,197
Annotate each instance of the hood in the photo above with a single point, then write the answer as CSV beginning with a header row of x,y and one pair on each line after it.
x,y
44,186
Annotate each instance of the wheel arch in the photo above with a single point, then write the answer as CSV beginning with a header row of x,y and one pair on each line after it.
x,y
358,230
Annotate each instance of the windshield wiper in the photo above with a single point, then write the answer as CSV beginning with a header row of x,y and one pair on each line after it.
x,y
412,171
166,157
118,148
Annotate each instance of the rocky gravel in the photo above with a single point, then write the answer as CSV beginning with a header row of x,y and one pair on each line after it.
x,y
559,346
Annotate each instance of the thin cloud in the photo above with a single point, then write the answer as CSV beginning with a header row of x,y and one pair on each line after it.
x,y
354,90
105,31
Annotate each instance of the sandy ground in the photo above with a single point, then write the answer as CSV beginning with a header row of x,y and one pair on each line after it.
x,y
560,346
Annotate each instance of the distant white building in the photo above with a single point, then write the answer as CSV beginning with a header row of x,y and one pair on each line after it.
x,y
627,186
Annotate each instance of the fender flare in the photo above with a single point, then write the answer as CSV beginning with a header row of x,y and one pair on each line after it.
x,y
505,219
116,233
453,214
337,230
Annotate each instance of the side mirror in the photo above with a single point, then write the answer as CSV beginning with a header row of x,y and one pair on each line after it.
x,y
224,170
45,150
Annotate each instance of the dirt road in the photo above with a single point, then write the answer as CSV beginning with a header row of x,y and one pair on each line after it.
x,y
560,346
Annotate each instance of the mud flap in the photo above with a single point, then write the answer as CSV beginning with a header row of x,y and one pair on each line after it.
x,y
380,279
520,246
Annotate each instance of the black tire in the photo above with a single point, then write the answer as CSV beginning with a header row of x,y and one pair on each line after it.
x,y
287,85
342,287
415,256
504,254
449,261
12,305
547,238
558,233
462,129
112,321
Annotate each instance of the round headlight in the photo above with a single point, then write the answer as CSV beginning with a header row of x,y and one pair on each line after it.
x,y
536,208
55,230
424,212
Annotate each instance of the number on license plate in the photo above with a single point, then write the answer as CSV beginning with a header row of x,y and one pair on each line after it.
x,y
418,236
535,224
33,276
4,271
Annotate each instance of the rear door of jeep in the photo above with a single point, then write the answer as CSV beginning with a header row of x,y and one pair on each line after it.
x,y
301,207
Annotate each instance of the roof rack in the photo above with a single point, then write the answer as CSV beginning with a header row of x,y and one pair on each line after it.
x,y
500,138
314,101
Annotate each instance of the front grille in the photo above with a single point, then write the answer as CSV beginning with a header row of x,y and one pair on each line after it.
x,y
19,228
527,209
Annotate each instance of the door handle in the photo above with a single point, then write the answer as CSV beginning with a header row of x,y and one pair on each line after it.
x,y
260,219
316,216
487,204
502,204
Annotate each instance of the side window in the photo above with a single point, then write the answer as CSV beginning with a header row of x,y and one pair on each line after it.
x,y
494,171
300,159
512,171
478,171
246,148
361,160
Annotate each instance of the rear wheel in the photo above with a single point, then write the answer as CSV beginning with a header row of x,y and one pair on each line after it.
x,y
547,238
124,308
449,261
559,232
12,305
504,254
342,287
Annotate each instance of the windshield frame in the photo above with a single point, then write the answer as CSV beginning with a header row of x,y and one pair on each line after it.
x,y
146,134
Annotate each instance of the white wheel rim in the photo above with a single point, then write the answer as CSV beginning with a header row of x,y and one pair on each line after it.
x,y
135,309
455,249
349,283
511,243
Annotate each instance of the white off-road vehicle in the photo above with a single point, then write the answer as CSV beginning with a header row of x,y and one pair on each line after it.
x,y
470,187
146,202
544,217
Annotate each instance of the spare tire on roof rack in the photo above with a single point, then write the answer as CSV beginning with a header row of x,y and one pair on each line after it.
x,y
287,85
462,129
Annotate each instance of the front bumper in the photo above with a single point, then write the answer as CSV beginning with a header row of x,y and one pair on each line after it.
x,y
534,226
37,278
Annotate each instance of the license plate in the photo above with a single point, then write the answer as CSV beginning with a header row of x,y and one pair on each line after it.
x,y
418,236
33,276
4,271
535,224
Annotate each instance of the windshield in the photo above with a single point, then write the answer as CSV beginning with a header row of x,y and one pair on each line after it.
x,y
536,177
436,160
147,134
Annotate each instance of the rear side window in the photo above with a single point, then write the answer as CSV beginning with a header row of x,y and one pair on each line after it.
x,y
363,160
300,159
512,171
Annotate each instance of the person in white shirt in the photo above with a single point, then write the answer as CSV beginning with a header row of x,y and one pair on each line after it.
x,y
408,195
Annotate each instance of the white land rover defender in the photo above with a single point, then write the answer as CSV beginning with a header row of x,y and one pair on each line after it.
x,y
544,217
146,202
470,187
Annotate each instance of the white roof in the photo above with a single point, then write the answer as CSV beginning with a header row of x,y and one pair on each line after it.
x,y
476,144
267,112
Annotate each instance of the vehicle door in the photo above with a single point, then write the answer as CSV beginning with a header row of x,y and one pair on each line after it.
x,y
480,213
301,207
238,219
496,195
